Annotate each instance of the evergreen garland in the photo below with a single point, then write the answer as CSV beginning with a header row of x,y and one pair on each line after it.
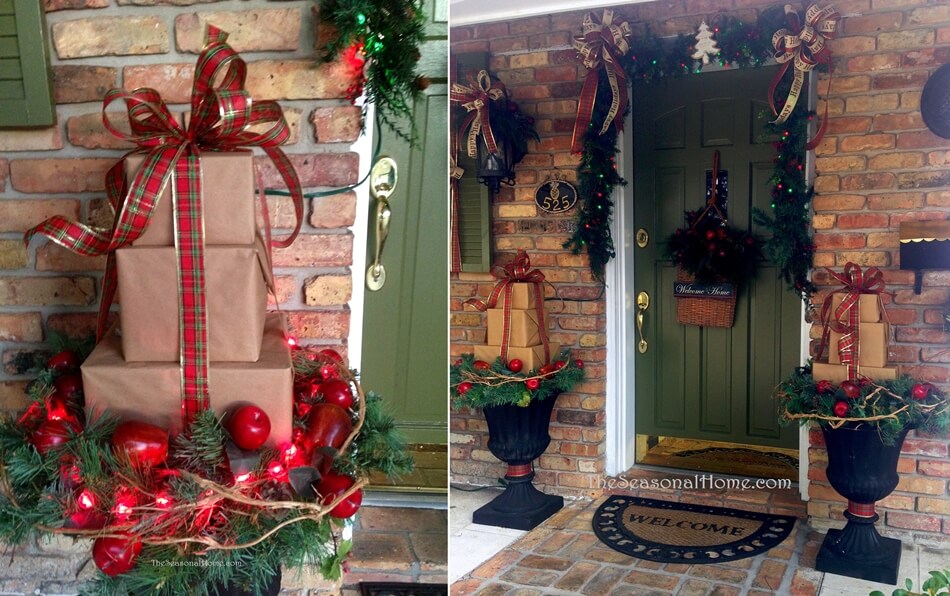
x,y
474,385
211,530
387,35
890,405
651,59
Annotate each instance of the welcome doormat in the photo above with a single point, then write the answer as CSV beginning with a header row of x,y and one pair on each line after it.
x,y
685,533
402,589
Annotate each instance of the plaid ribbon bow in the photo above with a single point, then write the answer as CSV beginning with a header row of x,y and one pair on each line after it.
x,y
846,318
518,271
475,99
221,115
803,46
603,42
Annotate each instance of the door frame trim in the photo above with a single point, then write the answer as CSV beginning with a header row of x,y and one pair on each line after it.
x,y
620,361
363,147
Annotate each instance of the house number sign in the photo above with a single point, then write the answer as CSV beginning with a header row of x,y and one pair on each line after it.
x,y
555,196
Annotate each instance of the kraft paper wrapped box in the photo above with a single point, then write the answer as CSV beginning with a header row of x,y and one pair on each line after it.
x,y
227,201
532,356
839,372
522,296
523,329
872,345
235,294
150,391
869,306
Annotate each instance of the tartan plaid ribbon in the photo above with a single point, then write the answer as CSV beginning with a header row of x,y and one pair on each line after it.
x,y
475,99
603,42
221,116
846,318
517,271
803,46
455,173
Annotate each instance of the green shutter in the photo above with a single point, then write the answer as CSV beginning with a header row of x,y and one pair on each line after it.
x,y
26,89
474,202
474,219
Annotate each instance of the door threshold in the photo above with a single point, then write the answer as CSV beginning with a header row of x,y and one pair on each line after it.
x,y
376,497
713,457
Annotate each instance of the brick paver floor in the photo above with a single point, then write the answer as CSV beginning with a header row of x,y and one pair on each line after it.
x,y
563,556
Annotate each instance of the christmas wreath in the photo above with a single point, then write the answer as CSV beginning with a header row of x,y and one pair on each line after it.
x,y
380,39
210,507
890,405
712,251
479,384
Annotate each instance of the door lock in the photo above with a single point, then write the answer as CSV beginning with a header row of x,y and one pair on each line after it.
x,y
642,238
382,184
643,303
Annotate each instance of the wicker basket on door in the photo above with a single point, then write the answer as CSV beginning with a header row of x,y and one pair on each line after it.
x,y
704,311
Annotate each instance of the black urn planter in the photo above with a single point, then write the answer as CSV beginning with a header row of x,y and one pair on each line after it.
x,y
863,470
517,436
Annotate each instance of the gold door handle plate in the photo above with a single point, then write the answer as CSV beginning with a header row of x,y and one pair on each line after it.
x,y
643,303
642,238
383,178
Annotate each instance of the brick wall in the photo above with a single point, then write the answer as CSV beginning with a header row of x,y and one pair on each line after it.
x,y
878,166
100,44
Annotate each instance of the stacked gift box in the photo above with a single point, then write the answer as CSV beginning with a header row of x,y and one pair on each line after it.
x,y
860,334
525,331
136,372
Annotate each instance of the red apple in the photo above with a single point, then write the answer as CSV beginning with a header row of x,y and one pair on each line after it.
x,y
464,387
63,361
824,386
249,427
515,365
481,365
533,384
328,425
331,354
841,409
546,369
143,443
331,486
337,392
579,363
850,389
920,391
115,556
559,364
52,433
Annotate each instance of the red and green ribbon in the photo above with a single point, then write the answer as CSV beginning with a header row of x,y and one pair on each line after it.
x,y
222,114
518,271
475,99
603,42
846,318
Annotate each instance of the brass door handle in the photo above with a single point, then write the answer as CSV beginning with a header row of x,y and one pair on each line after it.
x,y
382,183
643,303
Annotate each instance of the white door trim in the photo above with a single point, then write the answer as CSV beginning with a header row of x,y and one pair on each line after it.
x,y
364,148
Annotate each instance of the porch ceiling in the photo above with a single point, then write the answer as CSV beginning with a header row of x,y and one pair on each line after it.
x,y
467,12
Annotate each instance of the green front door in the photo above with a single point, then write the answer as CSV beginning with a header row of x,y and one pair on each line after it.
x,y
700,382
404,324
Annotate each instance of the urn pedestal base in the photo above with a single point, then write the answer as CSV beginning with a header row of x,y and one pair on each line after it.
x,y
859,551
520,507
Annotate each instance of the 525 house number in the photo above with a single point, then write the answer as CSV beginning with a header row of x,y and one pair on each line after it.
x,y
555,196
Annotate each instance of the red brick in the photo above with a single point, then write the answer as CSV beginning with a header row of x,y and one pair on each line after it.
x,y
19,215
868,142
862,220
21,327
920,140
320,324
874,62
838,202
890,21
913,80
173,81
940,469
317,250
913,521
110,36
55,5
248,30
926,447
896,201
896,161
868,181
88,131
32,291
897,122
336,124
491,30
59,175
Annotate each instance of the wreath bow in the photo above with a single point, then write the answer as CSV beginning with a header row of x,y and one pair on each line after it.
x,y
802,46
475,98
603,42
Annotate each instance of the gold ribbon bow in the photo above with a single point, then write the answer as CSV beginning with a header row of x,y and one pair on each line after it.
x,y
603,42
804,46
474,99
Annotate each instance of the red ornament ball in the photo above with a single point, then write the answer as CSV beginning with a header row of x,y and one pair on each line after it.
x,y
515,365
53,433
824,386
249,427
328,371
481,365
532,384
546,369
850,389
920,391
710,234
464,387
63,361
143,443
331,486
331,354
337,392
115,556
559,364
328,425
69,386
841,409
579,363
